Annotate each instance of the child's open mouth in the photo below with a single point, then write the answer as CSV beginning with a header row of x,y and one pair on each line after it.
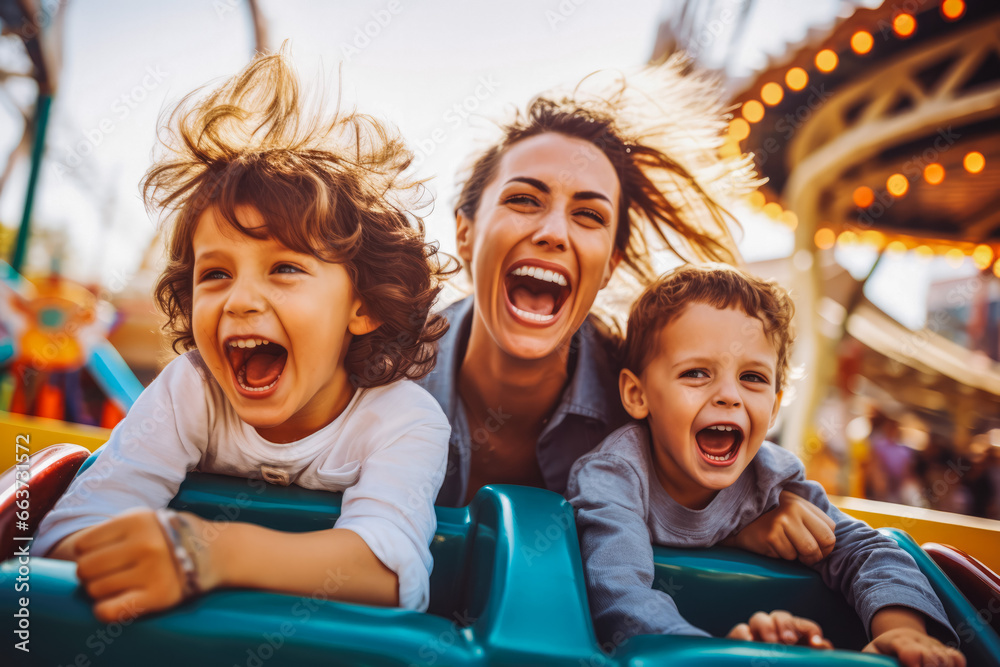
x,y
257,363
720,443
534,294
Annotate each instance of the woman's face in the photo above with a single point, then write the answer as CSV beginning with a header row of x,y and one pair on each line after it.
x,y
542,242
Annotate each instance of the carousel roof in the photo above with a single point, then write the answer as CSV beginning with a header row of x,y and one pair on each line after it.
x,y
885,130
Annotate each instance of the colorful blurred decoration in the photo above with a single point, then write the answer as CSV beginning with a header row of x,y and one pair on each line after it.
x,y
54,327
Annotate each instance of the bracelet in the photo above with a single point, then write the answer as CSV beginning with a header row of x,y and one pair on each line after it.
x,y
178,531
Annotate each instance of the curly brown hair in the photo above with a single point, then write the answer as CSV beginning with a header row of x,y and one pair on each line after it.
x,y
332,188
717,285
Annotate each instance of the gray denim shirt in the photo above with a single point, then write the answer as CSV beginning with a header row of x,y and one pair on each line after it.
x,y
589,409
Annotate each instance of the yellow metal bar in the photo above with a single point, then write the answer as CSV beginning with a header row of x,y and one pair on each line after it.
x,y
42,433
973,535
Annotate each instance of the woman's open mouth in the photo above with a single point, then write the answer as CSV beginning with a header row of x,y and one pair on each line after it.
x,y
719,443
257,364
534,294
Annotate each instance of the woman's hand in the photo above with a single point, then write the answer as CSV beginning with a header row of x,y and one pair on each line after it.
x,y
795,529
127,566
780,627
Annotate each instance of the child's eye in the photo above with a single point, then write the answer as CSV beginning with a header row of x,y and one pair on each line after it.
x,y
695,373
214,274
287,268
754,377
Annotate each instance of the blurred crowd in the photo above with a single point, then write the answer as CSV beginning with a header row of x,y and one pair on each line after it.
x,y
937,476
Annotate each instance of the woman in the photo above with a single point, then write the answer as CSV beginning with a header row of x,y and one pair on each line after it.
x,y
576,187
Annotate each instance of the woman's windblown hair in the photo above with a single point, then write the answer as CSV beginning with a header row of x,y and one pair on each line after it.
x,y
662,130
333,188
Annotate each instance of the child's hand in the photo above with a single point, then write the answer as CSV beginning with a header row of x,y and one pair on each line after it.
x,y
914,648
780,627
126,564
795,529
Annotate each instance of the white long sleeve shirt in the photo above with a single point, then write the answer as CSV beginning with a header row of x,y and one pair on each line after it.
x,y
386,452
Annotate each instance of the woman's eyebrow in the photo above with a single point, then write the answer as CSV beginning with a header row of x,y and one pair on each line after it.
x,y
533,182
589,194
539,185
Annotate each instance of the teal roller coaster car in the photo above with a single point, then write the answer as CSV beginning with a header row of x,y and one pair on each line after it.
x,y
507,589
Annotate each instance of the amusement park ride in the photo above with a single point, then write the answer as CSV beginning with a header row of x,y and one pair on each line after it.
x,y
507,585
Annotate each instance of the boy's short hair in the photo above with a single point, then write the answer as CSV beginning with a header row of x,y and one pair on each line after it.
x,y
332,188
717,285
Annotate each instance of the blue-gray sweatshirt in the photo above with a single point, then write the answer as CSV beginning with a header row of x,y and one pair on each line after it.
x,y
621,510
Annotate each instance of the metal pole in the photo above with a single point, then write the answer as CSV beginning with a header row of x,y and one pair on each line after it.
x,y
41,123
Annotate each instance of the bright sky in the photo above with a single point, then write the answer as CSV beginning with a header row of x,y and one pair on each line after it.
x,y
440,70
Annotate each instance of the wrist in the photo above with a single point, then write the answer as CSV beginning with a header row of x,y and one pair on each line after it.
x,y
196,562
894,618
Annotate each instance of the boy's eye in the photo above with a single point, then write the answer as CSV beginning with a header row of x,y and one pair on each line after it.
x,y
287,268
695,373
754,377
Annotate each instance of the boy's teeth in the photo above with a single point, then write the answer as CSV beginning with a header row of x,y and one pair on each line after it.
x,y
541,274
722,458
720,427
537,317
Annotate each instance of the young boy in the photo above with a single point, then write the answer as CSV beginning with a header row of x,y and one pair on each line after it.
x,y
706,359
300,288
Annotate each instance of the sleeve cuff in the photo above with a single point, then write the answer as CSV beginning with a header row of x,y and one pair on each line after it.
x,y
397,554
880,597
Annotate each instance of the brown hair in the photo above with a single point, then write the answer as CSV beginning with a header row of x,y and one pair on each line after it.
x,y
330,188
665,167
716,285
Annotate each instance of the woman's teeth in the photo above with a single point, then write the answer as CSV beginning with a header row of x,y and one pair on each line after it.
x,y
541,274
534,317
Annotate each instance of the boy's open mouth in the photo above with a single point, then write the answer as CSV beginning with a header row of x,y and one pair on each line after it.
x,y
720,443
257,363
536,294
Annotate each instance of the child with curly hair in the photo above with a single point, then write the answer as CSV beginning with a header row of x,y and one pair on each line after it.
x,y
299,286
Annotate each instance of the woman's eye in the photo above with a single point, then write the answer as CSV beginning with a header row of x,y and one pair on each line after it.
x,y
593,215
695,373
754,377
521,200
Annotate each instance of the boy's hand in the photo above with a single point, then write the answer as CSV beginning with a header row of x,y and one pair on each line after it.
x,y
902,632
780,627
126,564
914,648
795,529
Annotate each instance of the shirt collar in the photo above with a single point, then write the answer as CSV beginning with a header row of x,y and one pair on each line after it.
x,y
586,395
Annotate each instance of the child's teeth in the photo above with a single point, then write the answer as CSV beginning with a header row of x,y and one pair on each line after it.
x,y
242,379
248,342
